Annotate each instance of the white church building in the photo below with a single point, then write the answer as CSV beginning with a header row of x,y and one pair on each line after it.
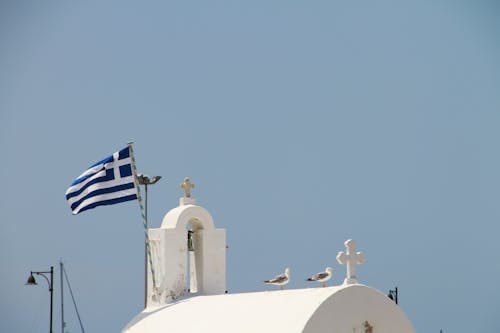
x,y
187,289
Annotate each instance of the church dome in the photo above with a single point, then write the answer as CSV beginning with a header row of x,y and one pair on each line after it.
x,y
345,308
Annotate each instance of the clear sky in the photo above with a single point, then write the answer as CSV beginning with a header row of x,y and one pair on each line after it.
x,y
302,124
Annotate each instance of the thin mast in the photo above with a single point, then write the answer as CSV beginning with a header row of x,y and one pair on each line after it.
x,y
74,302
62,295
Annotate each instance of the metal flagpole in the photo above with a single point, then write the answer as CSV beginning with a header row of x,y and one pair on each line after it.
x,y
146,252
144,220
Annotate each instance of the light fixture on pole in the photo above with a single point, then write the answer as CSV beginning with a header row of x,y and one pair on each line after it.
x,y
146,180
32,282
393,295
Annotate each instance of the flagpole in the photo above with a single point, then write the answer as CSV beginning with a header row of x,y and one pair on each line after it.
x,y
146,251
144,222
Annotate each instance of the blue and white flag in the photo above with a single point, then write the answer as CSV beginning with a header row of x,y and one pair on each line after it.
x,y
107,182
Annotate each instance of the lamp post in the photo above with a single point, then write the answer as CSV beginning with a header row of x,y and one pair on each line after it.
x,y
32,282
393,294
145,180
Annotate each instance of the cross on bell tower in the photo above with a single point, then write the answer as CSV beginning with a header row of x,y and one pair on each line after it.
x,y
351,259
187,186
187,199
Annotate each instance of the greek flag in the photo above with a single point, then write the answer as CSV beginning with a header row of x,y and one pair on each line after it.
x,y
107,182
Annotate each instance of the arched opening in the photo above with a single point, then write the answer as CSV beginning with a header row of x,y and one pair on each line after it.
x,y
194,270
201,271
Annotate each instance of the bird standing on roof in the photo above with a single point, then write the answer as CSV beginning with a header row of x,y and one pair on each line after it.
x,y
280,280
322,276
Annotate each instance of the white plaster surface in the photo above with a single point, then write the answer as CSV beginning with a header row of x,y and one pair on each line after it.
x,y
349,308
170,255
340,309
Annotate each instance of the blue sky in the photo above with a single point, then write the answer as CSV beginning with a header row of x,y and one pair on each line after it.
x,y
302,124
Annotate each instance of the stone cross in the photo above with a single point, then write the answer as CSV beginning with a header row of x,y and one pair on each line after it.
x,y
351,259
187,186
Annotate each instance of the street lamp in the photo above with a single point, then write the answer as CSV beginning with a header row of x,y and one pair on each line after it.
x,y
32,282
393,295
145,180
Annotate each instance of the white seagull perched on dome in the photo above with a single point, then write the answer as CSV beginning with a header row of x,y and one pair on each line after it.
x,y
322,276
280,280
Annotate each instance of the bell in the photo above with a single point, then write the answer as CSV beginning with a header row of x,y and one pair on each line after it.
x,y
190,241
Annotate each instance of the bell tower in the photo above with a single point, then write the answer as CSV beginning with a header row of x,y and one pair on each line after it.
x,y
188,253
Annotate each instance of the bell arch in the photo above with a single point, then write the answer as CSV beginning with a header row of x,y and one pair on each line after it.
x,y
204,267
181,216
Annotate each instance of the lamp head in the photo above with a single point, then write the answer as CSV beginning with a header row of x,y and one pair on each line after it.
x,y
142,179
145,180
31,281
155,179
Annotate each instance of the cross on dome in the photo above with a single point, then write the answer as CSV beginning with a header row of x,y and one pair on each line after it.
x,y
351,259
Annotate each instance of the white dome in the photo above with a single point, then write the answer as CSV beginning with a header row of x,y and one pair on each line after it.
x,y
345,308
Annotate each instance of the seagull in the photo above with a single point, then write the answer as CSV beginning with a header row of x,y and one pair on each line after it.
x,y
322,276
280,280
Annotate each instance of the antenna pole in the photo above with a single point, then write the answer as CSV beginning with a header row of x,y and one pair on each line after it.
x,y
62,295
